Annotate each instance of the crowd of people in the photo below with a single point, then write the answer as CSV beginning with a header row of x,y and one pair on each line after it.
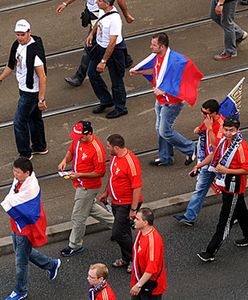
x,y
222,152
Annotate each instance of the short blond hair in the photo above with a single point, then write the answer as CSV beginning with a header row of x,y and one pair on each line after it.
x,y
101,270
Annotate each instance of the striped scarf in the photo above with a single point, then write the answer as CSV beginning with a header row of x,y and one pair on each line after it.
x,y
224,159
96,289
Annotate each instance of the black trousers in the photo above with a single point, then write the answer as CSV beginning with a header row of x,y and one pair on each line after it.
x,y
233,207
121,231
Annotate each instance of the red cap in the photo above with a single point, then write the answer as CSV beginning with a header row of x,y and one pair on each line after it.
x,y
81,128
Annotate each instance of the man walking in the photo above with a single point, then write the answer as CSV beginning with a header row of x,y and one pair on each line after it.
x,y
93,11
88,158
28,57
210,132
109,52
148,273
28,223
230,162
99,287
124,188
222,12
167,71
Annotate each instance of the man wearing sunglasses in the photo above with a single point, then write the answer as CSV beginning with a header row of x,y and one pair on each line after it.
x,y
27,57
210,132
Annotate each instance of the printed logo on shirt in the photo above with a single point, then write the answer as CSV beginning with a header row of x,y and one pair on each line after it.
x,y
84,156
117,171
139,248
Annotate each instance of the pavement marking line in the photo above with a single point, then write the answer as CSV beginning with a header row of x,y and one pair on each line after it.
x,y
61,231
145,112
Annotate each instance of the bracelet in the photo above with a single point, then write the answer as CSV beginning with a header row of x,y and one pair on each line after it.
x,y
64,3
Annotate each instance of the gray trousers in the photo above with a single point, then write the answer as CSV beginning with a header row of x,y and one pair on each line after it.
x,y
232,31
85,205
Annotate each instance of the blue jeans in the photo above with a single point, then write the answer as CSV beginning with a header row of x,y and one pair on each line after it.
x,y
116,68
232,31
168,137
24,252
204,181
28,122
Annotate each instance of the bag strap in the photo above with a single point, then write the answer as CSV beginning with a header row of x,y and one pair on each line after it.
x,y
107,14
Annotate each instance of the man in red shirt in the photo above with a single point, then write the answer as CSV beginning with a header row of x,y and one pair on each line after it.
x,y
167,106
148,259
99,288
124,188
210,132
230,162
88,159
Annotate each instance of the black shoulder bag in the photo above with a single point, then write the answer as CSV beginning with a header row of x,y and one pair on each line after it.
x,y
150,285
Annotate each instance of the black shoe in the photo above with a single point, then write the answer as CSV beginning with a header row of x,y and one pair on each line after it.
x,y
178,217
187,222
68,251
190,158
243,2
116,113
205,256
73,81
101,108
158,163
241,243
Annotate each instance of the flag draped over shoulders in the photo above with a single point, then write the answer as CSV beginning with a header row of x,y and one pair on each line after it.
x,y
26,211
178,75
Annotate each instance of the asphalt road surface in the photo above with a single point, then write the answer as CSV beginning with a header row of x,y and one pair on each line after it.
x,y
187,277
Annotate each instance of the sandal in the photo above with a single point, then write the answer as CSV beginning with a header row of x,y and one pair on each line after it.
x,y
119,263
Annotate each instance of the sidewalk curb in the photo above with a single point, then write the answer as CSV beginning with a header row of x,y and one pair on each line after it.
x,y
162,207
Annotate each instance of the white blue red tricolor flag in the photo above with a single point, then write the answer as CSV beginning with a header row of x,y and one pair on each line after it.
x,y
231,105
26,210
178,75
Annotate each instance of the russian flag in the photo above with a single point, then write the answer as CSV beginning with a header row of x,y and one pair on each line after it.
x,y
231,105
26,211
178,76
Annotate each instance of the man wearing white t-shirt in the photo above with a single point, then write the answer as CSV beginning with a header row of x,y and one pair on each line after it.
x,y
93,10
27,57
109,51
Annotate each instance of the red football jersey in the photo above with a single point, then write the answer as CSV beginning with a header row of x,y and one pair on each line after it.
x,y
88,157
105,294
148,256
125,175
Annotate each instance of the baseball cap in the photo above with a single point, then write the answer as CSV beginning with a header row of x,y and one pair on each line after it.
x,y
22,26
81,128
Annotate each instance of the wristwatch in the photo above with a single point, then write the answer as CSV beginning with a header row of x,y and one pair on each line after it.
x,y
103,61
42,100
220,4
138,285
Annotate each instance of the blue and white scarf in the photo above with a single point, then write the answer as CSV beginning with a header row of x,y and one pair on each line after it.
x,y
224,159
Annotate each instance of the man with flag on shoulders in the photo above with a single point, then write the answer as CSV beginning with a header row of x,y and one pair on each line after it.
x,y
175,79
28,222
